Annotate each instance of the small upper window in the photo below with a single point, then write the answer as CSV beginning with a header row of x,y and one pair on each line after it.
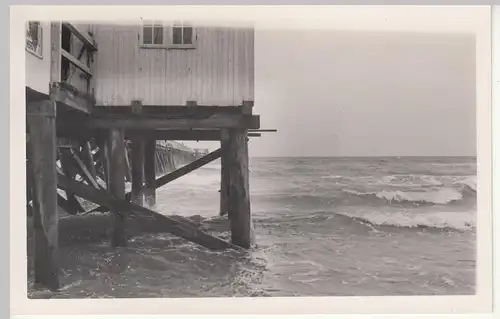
x,y
34,38
152,34
182,34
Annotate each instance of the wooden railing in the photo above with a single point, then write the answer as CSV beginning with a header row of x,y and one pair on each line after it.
x,y
77,95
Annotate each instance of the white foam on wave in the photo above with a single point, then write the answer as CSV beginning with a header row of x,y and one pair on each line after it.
x,y
470,181
435,196
440,196
418,180
454,220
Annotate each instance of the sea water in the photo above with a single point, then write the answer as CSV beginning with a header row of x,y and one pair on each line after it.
x,y
323,226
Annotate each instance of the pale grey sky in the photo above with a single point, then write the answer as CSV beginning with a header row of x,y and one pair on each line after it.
x,y
355,93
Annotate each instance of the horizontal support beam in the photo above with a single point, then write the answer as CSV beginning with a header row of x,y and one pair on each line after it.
x,y
76,62
171,225
264,130
169,110
87,42
70,99
143,122
188,135
159,135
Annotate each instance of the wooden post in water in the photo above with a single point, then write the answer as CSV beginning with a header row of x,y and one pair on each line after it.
x,y
88,158
224,173
239,188
116,182
41,121
137,150
150,171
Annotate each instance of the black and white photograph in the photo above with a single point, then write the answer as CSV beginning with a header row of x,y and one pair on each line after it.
x,y
190,158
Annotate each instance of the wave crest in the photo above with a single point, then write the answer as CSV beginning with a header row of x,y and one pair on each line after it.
x,y
435,196
441,220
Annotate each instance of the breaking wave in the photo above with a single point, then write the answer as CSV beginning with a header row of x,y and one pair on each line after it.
x,y
462,221
440,196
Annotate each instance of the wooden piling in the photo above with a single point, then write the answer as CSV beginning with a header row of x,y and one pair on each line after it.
x,y
116,183
43,146
29,184
239,188
88,158
224,177
137,150
150,172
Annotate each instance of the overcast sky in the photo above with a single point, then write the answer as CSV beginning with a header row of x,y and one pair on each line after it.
x,y
356,93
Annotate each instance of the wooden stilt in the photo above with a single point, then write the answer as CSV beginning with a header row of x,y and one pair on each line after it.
x,y
29,185
224,177
88,158
137,170
116,183
149,172
239,194
43,147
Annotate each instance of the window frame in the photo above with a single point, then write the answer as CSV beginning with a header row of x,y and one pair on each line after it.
x,y
168,36
182,26
153,25
38,50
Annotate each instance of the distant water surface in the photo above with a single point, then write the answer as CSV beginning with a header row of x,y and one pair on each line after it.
x,y
324,226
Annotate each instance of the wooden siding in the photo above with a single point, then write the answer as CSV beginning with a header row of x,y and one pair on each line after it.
x,y
38,68
219,71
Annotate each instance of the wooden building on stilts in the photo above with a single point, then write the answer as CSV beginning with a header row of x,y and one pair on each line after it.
x,y
99,97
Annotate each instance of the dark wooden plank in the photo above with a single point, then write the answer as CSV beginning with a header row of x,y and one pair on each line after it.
x,y
170,110
224,178
64,204
65,54
83,170
176,227
267,130
69,169
42,144
185,135
87,42
116,184
149,190
187,168
239,189
146,122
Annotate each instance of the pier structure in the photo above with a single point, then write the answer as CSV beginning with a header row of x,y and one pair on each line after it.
x,y
107,109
